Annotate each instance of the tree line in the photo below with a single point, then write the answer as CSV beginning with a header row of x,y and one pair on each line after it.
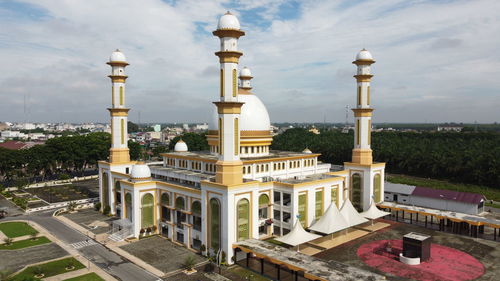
x,y
462,157
63,155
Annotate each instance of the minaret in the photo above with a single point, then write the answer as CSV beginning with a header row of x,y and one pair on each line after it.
x,y
119,152
245,77
362,153
229,167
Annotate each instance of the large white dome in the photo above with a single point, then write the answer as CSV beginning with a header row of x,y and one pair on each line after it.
x,y
117,55
253,117
140,171
228,21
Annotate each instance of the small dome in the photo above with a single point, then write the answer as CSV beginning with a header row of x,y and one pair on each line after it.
x,y
117,55
364,55
307,151
180,146
245,72
228,21
140,171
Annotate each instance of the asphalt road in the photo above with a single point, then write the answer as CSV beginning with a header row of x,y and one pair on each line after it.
x,y
106,259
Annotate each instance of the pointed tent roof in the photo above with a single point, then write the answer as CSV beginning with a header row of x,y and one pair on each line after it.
x,y
350,214
331,221
373,212
297,235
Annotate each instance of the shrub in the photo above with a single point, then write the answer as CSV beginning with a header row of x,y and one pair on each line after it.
x,y
38,270
33,235
97,206
203,248
189,263
64,177
209,267
70,263
71,205
7,241
106,210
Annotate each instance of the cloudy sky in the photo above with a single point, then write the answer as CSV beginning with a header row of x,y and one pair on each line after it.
x,y
437,60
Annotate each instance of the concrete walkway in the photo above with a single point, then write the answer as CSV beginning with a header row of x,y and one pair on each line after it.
x,y
111,245
70,274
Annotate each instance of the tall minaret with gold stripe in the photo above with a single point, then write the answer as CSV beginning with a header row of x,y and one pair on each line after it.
x,y
119,152
362,153
229,169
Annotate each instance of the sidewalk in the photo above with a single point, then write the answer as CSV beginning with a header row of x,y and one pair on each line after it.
x,y
73,252
113,246
68,275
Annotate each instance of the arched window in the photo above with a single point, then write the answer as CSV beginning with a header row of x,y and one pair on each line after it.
x,y
303,209
196,208
105,190
165,199
243,219
179,203
118,194
377,188
214,224
147,210
356,195
128,205
263,206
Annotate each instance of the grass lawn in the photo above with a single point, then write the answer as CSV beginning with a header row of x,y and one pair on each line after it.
x,y
86,277
490,193
247,274
16,229
49,269
25,243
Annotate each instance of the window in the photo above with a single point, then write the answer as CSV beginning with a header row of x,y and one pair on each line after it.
x,y
179,203
377,190
303,209
287,199
165,213
121,95
147,210
335,195
243,219
165,199
277,197
357,132
356,192
105,190
277,215
286,217
214,225
221,84
319,204
263,206
128,205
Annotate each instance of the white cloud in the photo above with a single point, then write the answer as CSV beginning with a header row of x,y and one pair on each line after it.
x,y
434,58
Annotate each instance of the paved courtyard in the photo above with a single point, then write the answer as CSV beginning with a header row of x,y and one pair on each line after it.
x,y
14,260
486,251
92,220
161,253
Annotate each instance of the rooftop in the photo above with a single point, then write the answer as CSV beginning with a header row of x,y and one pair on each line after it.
x,y
325,270
273,154
465,197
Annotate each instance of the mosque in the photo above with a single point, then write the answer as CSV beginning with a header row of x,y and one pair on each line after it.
x,y
240,189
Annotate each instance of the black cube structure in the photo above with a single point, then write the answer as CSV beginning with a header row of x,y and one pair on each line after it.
x,y
417,245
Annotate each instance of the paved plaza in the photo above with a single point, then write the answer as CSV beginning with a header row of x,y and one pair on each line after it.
x,y
91,220
161,253
485,251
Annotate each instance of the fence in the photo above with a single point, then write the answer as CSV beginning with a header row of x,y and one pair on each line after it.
x,y
80,204
59,182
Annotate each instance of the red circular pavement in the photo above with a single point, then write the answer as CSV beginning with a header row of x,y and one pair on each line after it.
x,y
445,263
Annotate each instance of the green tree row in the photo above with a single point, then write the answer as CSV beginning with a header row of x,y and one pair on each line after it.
x,y
462,157
59,155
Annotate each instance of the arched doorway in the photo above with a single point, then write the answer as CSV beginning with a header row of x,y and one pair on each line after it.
x,y
356,194
214,224
243,219
377,188
147,210
264,213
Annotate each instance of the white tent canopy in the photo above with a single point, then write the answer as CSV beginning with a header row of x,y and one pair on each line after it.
x,y
331,221
350,214
297,235
373,212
